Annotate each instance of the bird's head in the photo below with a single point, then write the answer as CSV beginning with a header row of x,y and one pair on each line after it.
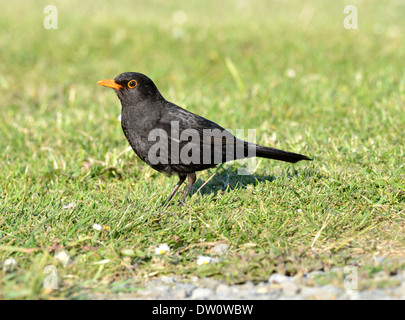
x,y
132,87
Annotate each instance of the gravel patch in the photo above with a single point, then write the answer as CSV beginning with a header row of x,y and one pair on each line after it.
x,y
279,287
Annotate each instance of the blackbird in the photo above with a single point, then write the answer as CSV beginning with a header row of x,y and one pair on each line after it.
x,y
175,141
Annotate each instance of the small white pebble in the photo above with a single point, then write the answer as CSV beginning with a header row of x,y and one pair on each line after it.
x,y
201,293
278,278
220,249
10,265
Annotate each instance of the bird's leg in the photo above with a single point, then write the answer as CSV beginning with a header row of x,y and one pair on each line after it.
x,y
191,180
176,187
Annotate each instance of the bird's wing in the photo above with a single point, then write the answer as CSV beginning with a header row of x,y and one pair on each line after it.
x,y
184,127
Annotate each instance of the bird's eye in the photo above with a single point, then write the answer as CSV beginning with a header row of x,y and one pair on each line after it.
x,y
132,84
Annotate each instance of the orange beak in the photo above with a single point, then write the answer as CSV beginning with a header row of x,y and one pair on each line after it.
x,y
110,83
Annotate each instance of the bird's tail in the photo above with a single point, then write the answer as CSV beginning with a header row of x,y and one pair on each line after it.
x,y
272,153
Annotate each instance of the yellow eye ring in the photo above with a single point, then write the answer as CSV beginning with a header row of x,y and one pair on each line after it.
x,y
132,84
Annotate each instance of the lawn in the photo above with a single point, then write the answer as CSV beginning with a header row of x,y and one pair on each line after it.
x,y
291,71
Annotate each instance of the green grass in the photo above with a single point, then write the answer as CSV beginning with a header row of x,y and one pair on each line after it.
x,y
61,143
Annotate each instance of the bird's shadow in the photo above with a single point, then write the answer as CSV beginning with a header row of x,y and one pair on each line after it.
x,y
227,178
